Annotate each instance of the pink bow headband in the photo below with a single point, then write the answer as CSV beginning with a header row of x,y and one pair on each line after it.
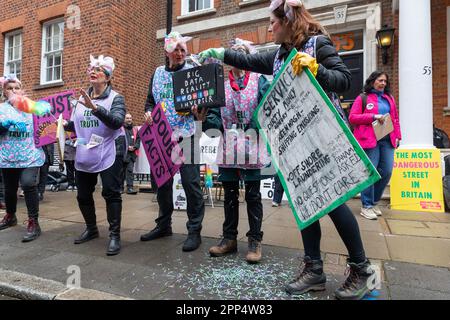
x,y
174,39
288,5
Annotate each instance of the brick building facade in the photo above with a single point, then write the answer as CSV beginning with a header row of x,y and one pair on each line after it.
x,y
132,33
124,30
213,23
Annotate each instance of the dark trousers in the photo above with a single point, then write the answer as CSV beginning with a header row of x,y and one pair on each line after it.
x,y
254,209
190,179
28,180
111,180
43,175
278,191
2,191
347,227
127,175
71,172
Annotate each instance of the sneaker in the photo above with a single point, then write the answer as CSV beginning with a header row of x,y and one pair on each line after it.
x,y
377,211
33,230
41,196
69,188
21,194
131,191
275,205
356,285
74,188
312,278
224,247
254,253
368,213
8,221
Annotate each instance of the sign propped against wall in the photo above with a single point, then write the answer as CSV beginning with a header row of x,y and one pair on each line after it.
x,y
319,161
416,183
45,126
163,154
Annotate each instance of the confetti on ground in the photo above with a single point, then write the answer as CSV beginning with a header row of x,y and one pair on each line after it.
x,y
231,277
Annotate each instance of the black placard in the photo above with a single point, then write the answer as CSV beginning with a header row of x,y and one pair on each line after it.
x,y
202,86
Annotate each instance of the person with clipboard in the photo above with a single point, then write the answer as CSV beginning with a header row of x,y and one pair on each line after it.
x,y
377,129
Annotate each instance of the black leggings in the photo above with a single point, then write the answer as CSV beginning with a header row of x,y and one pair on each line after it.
x,y
347,227
28,178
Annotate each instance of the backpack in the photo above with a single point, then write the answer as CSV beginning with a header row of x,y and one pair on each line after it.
x,y
364,105
440,138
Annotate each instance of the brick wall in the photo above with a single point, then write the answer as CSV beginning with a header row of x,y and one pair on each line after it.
x,y
122,29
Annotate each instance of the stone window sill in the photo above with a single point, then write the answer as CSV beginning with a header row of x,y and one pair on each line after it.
x,y
197,14
49,85
250,2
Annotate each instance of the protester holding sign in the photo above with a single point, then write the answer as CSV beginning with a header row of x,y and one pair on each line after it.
x,y
97,121
294,27
19,159
241,158
184,128
373,105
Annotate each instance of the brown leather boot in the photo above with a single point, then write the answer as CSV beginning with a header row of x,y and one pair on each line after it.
x,y
254,253
225,246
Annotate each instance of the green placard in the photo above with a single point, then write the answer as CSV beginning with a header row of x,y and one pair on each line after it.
x,y
318,160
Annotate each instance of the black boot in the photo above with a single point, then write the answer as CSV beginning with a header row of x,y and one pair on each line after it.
x,y
114,213
33,230
91,232
312,278
157,233
192,242
9,220
357,284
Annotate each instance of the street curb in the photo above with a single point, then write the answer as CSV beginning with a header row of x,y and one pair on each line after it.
x,y
27,287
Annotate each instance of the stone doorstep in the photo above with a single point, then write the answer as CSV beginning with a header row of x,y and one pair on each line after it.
x,y
28,287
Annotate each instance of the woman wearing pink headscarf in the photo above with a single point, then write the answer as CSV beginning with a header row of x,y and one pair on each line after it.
x,y
20,160
97,122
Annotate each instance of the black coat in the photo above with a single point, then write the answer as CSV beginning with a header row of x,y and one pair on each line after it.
x,y
113,118
333,75
132,141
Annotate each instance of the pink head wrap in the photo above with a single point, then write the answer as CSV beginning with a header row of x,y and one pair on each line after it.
x,y
9,78
174,39
106,63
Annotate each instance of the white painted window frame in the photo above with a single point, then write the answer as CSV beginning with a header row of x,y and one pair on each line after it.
x,y
7,69
185,8
54,52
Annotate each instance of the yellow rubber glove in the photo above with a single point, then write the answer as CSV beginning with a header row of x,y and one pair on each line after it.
x,y
183,113
302,60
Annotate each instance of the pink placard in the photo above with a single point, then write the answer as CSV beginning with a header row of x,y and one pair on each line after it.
x,y
159,147
45,126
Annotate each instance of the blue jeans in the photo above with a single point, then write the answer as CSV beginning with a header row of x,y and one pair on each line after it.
x,y
382,157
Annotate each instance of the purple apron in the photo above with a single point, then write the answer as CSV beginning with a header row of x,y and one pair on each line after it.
x,y
98,156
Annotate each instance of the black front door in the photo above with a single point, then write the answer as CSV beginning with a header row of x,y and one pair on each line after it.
x,y
355,63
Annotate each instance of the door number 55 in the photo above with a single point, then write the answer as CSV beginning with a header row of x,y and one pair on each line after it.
x,y
427,70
